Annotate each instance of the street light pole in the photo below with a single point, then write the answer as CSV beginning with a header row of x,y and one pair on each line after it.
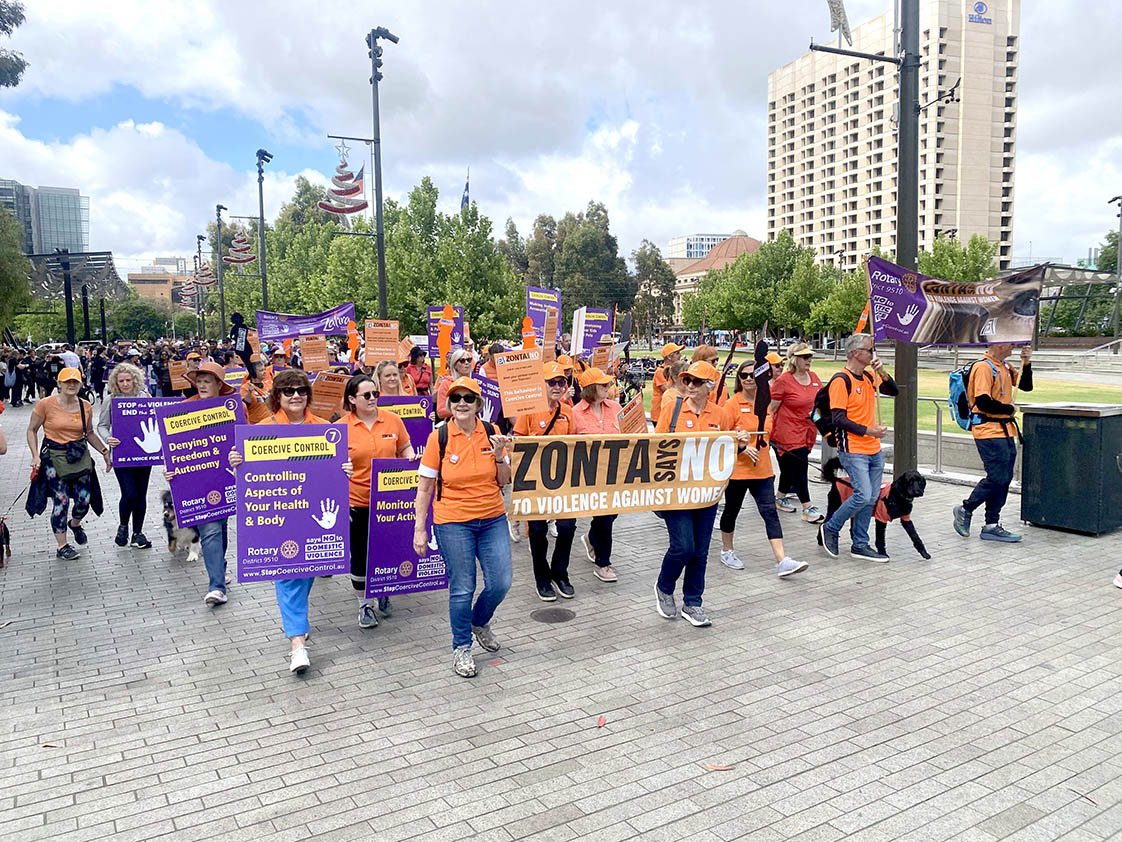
x,y
263,157
904,423
85,312
218,250
67,293
199,238
1117,269
375,77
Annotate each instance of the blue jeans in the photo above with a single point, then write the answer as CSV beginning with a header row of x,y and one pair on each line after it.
x,y
999,456
212,536
865,472
461,544
292,600
690,532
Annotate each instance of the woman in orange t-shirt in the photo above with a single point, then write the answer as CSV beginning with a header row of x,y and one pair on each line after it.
x,y
469,517
289,400
371,434
753,475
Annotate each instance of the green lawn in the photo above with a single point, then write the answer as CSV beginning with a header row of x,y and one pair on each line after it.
x,y
933,383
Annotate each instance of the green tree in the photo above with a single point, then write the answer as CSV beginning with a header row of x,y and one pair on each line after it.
x,y
796,296
588,269
839,311
654,299
302,209
951,260
513,249
12,63
542,249
1108,253
15,291
138,318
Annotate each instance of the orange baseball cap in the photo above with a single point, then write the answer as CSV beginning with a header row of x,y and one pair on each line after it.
x,y
565,361
773,358
69,374
702,371
193,356
670,348
552,370
593,377
216,371
464,383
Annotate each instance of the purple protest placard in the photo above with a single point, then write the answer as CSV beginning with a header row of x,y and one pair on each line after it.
x,y
910,307
293,508
134,423
414,414
434,328
285,325
391,565
538,302
492,407
198,435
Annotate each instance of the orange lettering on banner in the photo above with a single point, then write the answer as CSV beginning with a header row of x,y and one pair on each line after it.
x,y
529,338
327,393
633,419
444,336
313,353
521,386
381,340
549,334
585,476
178,368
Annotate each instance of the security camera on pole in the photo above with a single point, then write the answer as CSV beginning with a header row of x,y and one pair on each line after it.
x,y
375,53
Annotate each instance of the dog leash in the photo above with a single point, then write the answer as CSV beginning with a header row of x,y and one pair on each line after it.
x,y
18,496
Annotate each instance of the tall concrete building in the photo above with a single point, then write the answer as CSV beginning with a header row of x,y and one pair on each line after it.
x,y
51,217
831,167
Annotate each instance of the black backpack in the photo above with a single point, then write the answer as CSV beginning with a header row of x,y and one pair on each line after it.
x,y
822,413
442,441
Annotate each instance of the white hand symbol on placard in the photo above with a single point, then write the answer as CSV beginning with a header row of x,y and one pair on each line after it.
x,y
487,411
329,511
432,541
149,440
909,315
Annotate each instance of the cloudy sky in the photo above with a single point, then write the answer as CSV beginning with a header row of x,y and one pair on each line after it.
x,y
657,109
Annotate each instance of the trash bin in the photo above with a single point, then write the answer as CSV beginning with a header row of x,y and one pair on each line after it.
x,y
1071,473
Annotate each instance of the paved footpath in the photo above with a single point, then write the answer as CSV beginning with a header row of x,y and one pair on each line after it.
x,y
972,697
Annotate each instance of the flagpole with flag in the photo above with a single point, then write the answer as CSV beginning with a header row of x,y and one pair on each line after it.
x,y
465,201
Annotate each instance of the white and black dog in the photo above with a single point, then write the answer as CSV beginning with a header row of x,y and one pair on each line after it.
x,y
178,536
897,498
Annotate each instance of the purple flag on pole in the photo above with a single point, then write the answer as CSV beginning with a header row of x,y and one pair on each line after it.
x,y
286,325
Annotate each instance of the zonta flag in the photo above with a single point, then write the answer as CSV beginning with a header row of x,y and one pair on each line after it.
x,y
582,476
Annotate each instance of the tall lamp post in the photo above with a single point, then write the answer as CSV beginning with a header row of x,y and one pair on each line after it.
x,y
199,240
1117,268
263,157
218,250
375,52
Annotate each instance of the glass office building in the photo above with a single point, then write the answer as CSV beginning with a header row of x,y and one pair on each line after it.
x,y
51,217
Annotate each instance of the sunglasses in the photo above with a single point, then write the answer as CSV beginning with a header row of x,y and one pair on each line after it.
x,y
557,382
289,391
367,396
461,397
745,375
691,381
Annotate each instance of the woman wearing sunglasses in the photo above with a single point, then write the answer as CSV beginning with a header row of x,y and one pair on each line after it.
x,y
753,475
690,529
460,364
792,399
556,421
371,434
467,474
597,414
289,405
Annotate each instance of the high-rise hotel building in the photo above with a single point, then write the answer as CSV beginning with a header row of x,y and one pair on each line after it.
x,y
831,167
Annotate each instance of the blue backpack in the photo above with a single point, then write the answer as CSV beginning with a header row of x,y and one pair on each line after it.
x,y
958,400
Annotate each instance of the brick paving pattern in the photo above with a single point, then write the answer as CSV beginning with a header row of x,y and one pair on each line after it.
x,y
972,697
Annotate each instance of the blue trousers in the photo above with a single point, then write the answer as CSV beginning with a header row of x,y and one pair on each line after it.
x,y
690,532
865,472
292,600
212,537
999,456
461,544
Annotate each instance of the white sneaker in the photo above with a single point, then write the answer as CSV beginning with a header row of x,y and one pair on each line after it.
x,y
552,529
300,660
512,527
729,558
789,567
588,551
214,598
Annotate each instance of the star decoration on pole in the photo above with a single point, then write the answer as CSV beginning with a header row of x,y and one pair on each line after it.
x,y
342,149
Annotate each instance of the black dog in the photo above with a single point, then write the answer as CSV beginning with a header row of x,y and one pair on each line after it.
x,y
897,497
177,536
5,542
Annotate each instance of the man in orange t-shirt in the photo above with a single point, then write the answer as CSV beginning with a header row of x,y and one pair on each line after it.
x,y
990,391
853,395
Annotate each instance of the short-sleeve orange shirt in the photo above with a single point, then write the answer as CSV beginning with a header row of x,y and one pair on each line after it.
x,y
535,423
982,382
711,418
739,415
860,405
469,485
59,425
385,439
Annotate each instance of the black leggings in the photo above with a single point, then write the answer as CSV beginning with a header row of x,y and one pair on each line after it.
x,y
360,530
544,571
763,492
793,466
134,494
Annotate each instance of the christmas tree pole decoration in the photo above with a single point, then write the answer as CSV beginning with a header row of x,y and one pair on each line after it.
x,y
345,194
240,250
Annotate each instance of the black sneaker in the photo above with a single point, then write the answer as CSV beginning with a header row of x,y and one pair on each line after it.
x,y
140,542
868,553
546,593
564,588
828,540
122,539
67,552
79,534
